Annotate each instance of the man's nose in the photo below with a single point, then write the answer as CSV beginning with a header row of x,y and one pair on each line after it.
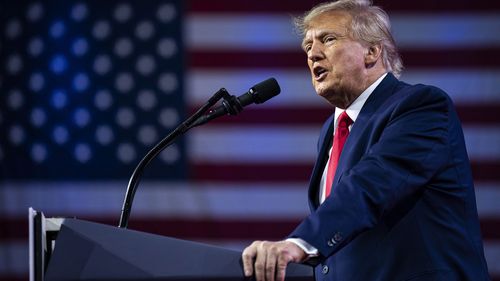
x,y
316,52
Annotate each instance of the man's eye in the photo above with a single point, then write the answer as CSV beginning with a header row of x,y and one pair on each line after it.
x,y
307,47
329,39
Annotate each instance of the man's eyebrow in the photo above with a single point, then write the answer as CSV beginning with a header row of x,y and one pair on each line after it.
x,y
319,34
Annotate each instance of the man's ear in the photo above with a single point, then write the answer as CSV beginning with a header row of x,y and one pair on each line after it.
x,y
373,54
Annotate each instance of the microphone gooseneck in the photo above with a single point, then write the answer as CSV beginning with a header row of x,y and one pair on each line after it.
x,y
231,105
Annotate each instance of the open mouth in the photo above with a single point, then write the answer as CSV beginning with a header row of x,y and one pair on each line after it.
x,y
319,73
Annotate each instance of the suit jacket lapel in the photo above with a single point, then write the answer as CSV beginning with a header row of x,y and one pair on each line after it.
x,y
325,142
383,91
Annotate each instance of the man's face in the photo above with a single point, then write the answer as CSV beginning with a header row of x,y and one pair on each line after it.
x,y
336,61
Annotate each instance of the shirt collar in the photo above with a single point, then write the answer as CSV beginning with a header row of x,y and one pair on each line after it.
x,y
355,107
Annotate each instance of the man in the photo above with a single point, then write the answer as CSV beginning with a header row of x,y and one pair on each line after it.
x,y
398,202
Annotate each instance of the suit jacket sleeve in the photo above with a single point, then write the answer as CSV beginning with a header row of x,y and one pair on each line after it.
x,y
407,147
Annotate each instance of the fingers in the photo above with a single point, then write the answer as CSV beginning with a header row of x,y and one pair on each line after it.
x,y
248,256
268,260
260,262
281,265
270,267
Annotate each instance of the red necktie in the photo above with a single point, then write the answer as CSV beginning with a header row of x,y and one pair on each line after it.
x,y
339,138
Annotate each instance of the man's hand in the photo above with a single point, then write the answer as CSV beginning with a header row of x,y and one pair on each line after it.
x,y
270,259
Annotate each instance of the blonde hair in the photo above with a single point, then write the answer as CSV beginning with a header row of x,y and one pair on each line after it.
x,y
369,24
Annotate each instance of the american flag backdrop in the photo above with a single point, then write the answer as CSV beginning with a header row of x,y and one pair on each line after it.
x,y
88,87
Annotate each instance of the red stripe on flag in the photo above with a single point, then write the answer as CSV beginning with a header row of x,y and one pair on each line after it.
x,y
257,172
262,116
276,6
480,57
483,57
202,229
292,172
183,228
490,228
486,170
246,58
209,229
7,277
480,114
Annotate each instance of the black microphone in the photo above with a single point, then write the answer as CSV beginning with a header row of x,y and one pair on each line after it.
x,y
232,105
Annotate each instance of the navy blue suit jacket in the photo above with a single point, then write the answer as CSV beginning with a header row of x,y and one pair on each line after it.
x,y
402,205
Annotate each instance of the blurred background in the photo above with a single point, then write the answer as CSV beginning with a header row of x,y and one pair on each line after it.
x,y
87,87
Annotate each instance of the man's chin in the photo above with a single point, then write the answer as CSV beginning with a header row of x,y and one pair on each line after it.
x,y
333,99
322,91
328,96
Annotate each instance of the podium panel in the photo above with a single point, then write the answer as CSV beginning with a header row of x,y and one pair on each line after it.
x,y
91,251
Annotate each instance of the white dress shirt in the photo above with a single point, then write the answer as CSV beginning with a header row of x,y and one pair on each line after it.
x,y
353,112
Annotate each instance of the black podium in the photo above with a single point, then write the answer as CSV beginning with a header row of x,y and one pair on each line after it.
x,y
91,251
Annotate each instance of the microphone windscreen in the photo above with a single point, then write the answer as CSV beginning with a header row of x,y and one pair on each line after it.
x,y
265,90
